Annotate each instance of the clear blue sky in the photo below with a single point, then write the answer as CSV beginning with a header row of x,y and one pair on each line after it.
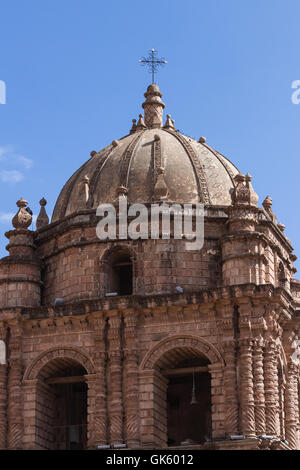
x,y
74,84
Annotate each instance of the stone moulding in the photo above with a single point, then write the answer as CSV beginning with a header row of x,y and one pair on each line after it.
x,y
167,344
42,359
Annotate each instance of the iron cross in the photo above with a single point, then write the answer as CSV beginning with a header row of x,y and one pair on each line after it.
x,y
153,62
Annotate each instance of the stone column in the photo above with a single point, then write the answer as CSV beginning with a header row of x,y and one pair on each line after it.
x,y
291,406
217,401
153,409
230,387
15,415
131,381
271,389
91,406
115,370
100,418
259,389
246,387
30,388
3,388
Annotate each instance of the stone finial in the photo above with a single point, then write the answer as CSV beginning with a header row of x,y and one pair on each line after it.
x,y
133,129
243,193
122,191
169,123
281,226
153,107
23,218
202,140
42,219
267,205
141,124
92,153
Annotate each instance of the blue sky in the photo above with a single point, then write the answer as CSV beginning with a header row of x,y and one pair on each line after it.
x,y
74,84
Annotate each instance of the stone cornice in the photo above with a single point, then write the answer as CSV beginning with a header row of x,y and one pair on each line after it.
x,y
231,295
19,260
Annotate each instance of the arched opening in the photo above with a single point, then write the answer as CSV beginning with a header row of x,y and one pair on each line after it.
x,y
188,397
118,273
61,406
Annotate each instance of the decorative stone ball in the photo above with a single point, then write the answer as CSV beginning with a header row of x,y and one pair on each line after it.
x,y
23,218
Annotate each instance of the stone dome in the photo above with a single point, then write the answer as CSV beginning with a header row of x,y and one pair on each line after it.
x,y
153,163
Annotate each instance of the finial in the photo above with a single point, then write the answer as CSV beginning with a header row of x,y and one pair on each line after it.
x,y
122,190
267,203
21,202
153,62
93,152
133,129
202,140
141,123
42,219
23,218
281,226
243,193
115,143
169,123
153,107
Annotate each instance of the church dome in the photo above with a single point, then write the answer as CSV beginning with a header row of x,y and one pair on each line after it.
x,y
153,163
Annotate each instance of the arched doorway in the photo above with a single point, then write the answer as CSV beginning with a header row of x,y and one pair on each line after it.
x,y
179,415
61,406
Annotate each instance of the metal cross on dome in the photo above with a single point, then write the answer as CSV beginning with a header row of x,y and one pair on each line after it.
x,y
153,62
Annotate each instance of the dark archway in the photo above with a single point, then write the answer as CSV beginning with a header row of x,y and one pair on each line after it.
x,y
189,403
61,406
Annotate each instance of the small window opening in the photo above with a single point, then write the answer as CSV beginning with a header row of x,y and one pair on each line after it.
x,y
119,274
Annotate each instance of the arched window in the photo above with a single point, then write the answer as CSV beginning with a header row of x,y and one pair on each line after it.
x,y
118,272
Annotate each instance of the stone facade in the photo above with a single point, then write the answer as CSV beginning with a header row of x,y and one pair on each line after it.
x,y
236,320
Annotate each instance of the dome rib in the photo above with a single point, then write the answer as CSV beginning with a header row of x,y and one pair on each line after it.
x,y
197,167
96,176
126,160
60,209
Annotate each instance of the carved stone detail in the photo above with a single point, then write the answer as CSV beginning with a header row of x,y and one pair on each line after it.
x,y
259,390
292,406
230,389
246,387
271,389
